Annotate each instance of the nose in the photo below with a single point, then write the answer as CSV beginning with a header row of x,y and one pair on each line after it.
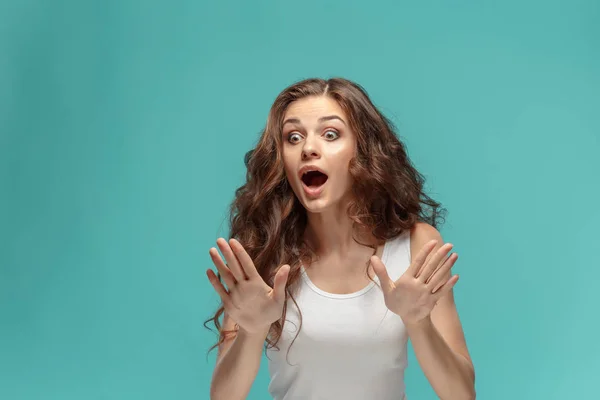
x,y
309,150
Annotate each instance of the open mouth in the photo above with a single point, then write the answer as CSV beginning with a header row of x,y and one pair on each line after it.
x,y
314,179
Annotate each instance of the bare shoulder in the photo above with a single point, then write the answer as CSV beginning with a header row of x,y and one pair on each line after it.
x,y
420,234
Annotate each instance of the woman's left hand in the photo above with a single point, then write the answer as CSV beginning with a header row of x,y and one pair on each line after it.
x,y
417,291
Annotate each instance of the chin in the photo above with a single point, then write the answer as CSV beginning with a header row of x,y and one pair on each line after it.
x,y
317,206
313,207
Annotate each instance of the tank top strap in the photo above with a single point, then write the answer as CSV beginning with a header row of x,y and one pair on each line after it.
x,y
397,259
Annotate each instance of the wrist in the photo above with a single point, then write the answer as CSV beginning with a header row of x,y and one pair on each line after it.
x,y
255,334
419,326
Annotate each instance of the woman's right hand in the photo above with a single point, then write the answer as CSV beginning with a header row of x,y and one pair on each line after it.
x,y
248,300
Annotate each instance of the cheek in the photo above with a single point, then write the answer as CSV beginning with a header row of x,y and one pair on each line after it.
x,y
344,150
289,170
290,161
343,156
343,167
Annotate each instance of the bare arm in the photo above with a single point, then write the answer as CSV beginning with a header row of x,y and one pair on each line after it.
x,y
450,374
237,364
439,341
254,305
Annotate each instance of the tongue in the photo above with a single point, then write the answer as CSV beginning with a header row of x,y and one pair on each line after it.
x,y
317,180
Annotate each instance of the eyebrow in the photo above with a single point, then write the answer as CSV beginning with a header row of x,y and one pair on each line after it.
x,y
322,119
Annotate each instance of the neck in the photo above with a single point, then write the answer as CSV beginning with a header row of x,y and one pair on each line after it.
x,y
330,234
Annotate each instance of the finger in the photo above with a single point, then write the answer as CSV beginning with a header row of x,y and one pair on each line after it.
x,y
232,261
415,266
219,288
446,288
222,268
280,282
244,258
434,262
442,272
381,272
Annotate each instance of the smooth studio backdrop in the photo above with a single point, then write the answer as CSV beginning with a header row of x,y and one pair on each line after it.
x,y
123,126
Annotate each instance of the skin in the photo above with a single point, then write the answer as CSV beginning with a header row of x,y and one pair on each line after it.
x,y
423,297
316,132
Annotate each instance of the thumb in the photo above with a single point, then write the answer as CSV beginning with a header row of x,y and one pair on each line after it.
x,y
381,272
280,282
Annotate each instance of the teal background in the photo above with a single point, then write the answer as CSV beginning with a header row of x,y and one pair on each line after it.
x,y
123,126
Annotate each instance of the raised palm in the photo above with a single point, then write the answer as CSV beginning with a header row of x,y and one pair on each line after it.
x,y
414,295
247,299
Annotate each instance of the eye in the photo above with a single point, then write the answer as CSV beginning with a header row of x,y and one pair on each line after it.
x,y
332,131
291,135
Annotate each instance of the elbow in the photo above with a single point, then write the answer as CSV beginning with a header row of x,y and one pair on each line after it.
x,y
467,392
469,395
472,395
471,392
213,393
221,393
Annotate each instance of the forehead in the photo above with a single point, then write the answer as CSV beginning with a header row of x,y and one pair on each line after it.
x,y
314,107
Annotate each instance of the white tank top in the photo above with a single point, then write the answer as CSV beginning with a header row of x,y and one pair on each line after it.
x,y
350,346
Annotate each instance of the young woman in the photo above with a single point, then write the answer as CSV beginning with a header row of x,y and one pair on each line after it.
x,y
335,260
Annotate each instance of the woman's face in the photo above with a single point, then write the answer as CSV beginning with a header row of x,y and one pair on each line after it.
x,y
316,133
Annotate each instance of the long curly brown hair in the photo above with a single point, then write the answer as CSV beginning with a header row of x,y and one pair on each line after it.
x,y
267,218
